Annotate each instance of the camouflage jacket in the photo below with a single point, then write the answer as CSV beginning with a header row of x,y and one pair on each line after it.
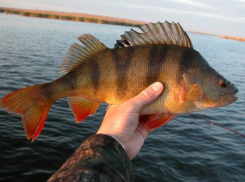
x,y
99,158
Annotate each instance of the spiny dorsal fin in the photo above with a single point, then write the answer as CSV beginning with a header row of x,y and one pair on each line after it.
x,y
77,53
156,33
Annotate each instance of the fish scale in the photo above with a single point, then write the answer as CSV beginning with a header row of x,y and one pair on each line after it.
x,y
94,74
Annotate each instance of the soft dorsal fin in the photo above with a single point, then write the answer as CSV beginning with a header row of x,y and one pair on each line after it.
x,y
156,33
78,53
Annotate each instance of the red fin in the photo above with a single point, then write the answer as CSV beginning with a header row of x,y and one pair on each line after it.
x,y
82,108
158,120
30,104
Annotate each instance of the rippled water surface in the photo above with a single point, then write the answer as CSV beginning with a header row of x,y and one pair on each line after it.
x,y
187,149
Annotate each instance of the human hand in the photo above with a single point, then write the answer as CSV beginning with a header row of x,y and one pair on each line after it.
x,y
122,121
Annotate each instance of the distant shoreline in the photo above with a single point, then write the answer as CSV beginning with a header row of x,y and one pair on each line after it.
x,y
233,38
80,17
83,17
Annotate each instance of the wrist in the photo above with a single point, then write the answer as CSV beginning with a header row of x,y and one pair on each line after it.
x,y
113,136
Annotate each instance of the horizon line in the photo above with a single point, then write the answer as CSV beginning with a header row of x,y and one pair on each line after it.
x,y
102,19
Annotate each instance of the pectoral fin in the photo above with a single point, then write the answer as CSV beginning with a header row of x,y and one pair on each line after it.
x,y
158,120
194,93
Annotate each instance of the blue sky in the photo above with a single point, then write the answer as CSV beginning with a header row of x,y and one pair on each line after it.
x,y
221,17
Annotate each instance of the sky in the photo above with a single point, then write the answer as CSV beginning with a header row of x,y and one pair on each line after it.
x,y
219,17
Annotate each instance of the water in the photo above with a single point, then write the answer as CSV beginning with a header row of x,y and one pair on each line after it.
x,y
187,149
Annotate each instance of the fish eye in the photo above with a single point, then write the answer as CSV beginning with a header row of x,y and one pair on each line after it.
x,y
223,82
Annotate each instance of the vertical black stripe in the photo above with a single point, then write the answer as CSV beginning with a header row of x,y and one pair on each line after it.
x,y
157,58
122,63
47,91
95,74
186,62
69,81
65,83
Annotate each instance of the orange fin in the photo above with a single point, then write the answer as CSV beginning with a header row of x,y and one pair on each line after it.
x,y
158,120
194,92
30,104
82,108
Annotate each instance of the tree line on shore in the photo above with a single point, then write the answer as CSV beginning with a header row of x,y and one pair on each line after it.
x,y
87,18
67,17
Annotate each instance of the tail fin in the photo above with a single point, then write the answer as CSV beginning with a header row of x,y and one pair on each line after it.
x,y
31,105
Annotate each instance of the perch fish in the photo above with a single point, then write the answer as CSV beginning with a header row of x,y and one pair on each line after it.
x,y
93,74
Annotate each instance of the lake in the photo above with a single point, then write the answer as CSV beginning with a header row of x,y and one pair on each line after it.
x,y
186,149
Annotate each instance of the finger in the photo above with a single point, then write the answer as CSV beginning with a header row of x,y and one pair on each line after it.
x,y
146,96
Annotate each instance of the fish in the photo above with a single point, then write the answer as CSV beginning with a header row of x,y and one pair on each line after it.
x,y
93,73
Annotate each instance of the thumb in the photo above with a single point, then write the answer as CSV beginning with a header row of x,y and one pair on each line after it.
x,y
148,95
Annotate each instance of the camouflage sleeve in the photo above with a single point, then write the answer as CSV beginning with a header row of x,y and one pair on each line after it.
x,y
99,158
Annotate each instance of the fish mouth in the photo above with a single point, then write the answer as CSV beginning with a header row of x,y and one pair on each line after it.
x,y
227,98
224,99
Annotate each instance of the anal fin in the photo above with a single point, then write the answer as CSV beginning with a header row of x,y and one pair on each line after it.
x,y
82,108
158,120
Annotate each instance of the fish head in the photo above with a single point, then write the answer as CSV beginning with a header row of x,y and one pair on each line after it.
x,y
211,89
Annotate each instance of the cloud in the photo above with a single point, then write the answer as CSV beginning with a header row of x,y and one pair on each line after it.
x,y
209,15
193,3
34,5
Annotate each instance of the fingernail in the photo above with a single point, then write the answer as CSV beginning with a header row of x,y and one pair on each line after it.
x,y
157,87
